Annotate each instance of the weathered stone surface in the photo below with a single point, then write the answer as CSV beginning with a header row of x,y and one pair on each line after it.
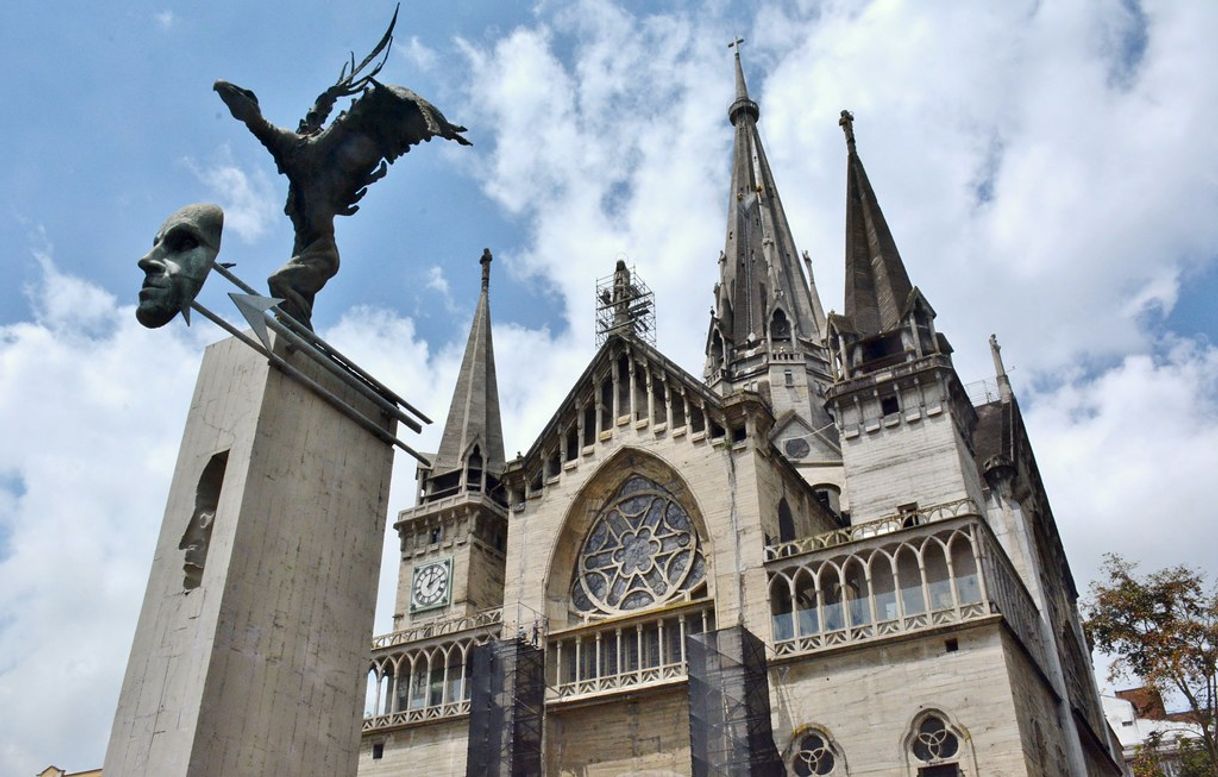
x,y
259,669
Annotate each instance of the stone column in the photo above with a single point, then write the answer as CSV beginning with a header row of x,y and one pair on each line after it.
x,y
252,644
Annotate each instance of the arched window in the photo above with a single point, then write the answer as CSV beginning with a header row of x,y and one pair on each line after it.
x,y
813,753
716,349
780,327
641,550
786,523
781,608
935,746
473,470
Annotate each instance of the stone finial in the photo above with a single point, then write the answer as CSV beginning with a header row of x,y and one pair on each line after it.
x,y
1000,370
485,261
847,124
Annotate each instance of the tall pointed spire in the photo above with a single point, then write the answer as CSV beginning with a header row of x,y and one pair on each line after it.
x,y
762,284
767,328
473,416
742,105
877,286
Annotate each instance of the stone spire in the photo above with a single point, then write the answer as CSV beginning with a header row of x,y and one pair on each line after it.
x,y
761,281
473,416
877,286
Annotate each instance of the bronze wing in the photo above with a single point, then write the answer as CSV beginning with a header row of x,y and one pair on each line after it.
x,y
380,126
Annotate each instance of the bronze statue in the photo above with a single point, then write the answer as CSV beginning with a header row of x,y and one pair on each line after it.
x,y
329,169
183,253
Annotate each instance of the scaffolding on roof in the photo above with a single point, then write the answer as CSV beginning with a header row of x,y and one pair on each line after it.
x,y
625,306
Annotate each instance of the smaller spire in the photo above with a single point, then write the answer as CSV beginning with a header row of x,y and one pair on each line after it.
x,y
473,415
1000,370
742,104
877,285
485,261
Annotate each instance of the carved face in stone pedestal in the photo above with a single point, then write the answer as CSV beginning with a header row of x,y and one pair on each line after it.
x,y
182,255
196,541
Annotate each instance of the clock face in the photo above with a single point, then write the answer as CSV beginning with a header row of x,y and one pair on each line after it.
x,y
430,586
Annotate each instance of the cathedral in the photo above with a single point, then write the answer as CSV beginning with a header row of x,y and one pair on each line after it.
x,y
820,557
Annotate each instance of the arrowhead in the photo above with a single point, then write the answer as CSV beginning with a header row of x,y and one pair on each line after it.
x,y
253,306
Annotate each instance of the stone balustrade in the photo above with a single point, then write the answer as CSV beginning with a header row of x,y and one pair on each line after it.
x,y
881,526
439,628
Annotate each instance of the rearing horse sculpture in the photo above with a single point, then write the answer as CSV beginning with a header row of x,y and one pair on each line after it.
x,y
330,168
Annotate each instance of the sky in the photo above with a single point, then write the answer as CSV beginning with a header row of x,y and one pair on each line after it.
x,y
1049,171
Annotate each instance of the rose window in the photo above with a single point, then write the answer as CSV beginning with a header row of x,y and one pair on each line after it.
x,y
641,550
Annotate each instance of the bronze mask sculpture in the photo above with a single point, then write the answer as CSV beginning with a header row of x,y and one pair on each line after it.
x,y
183,253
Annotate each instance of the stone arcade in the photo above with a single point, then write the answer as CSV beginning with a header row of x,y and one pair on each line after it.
x,y
819,558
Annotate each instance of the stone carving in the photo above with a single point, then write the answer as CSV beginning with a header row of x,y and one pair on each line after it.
x,y
642,550
329,169
183,253
196,540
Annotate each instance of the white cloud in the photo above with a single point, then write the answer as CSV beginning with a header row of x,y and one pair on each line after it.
x,y
1127,456
417,53
165,19
249,199
91,405
438,283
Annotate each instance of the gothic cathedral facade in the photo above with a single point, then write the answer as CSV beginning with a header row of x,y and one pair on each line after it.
x,y
818,558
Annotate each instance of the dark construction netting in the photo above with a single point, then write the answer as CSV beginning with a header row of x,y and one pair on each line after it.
x,y
507,696
729,705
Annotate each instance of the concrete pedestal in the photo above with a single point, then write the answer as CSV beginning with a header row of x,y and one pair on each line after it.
x,y
251,650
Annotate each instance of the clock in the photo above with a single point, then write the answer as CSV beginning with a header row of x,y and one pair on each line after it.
x,y
431,585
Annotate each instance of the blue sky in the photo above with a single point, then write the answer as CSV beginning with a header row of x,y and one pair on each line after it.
x,y
1047,170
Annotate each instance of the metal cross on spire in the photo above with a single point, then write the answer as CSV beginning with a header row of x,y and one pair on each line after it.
x,y
736,44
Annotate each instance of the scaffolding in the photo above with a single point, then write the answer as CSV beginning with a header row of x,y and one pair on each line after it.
x,y
507,700
729,706
625,306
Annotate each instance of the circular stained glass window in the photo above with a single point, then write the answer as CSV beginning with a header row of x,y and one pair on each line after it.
x,y
641,550
797,447
813,756
934,742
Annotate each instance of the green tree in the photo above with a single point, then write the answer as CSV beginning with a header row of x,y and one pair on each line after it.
x,y
1187,757
1162,628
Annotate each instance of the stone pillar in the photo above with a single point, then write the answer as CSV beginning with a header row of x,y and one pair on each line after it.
x,y
252,645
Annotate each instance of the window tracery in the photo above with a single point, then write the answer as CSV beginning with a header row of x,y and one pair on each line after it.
x,y
814,755
641,550
935,746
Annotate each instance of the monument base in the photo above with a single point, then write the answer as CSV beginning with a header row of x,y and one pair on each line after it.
x,y
251,650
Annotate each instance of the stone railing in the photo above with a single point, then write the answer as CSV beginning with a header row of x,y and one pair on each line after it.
x,y
438,629
1009,596
421,715
876,528
897,581
627,653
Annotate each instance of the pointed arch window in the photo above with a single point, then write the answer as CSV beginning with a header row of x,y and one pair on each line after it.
x,y
780,325
935,746
473,470
786,522
641,550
